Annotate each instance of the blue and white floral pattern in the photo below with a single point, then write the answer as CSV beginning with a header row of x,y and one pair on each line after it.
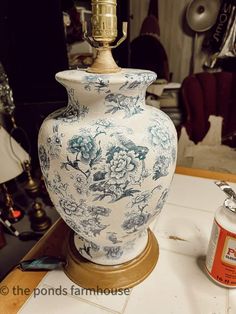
x,y
135,220
112,236
84,150
161,167
108,166
69,207
103,124
141,200
124,169
89,248
74,112
54,142
43,159
119,102
113,252
121,165
83,146
162,201
160,136
72,224
139,215
80,183
89,218
174,155
97,83
135,80
56,185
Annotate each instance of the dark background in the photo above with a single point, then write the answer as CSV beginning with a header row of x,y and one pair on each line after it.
x,y
33,50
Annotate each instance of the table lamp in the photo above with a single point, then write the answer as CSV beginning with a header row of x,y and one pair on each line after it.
x,y
12,156
108,161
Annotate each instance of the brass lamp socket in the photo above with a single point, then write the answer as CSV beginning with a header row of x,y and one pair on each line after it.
x,y
104,21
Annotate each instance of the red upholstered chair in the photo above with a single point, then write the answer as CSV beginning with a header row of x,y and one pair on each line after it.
x,y
204,94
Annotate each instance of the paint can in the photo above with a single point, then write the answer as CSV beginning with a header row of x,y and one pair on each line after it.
x,y
221,254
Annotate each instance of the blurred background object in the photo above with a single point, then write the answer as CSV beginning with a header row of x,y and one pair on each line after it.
x,y
12,159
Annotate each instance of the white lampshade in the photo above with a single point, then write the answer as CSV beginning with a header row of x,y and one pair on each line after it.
x,y
10,165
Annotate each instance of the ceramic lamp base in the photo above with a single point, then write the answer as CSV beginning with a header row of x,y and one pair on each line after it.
x,y
100,277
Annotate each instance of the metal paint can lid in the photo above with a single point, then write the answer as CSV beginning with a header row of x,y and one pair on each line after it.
x,y
230,202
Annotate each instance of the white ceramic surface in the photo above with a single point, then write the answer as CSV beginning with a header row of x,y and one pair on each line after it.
x,y
108,161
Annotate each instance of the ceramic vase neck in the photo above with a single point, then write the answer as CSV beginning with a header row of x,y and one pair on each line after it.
x,y
105,90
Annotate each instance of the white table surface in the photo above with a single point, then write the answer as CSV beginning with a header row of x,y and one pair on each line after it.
x,y
178,283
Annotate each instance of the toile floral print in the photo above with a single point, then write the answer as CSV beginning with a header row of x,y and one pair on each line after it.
x,y
44,159
108,165
119,102
96,83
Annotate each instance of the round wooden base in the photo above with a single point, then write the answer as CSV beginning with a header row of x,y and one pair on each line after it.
x,y
100,277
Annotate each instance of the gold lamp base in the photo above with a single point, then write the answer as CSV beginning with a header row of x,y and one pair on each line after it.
x,y
93,276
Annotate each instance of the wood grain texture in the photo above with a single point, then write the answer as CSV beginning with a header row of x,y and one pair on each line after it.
x,y
206,174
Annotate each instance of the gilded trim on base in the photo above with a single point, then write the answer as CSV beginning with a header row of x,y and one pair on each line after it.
x,y
90,275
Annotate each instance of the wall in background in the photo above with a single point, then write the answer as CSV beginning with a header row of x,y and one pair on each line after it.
x,y
177,41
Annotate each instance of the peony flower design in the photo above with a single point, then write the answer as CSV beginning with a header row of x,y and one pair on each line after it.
x,y
122,166
125,168
83,145
135,221
160,136
44,159
69,207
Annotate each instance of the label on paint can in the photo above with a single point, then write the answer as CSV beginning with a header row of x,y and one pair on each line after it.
x,y
221,256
